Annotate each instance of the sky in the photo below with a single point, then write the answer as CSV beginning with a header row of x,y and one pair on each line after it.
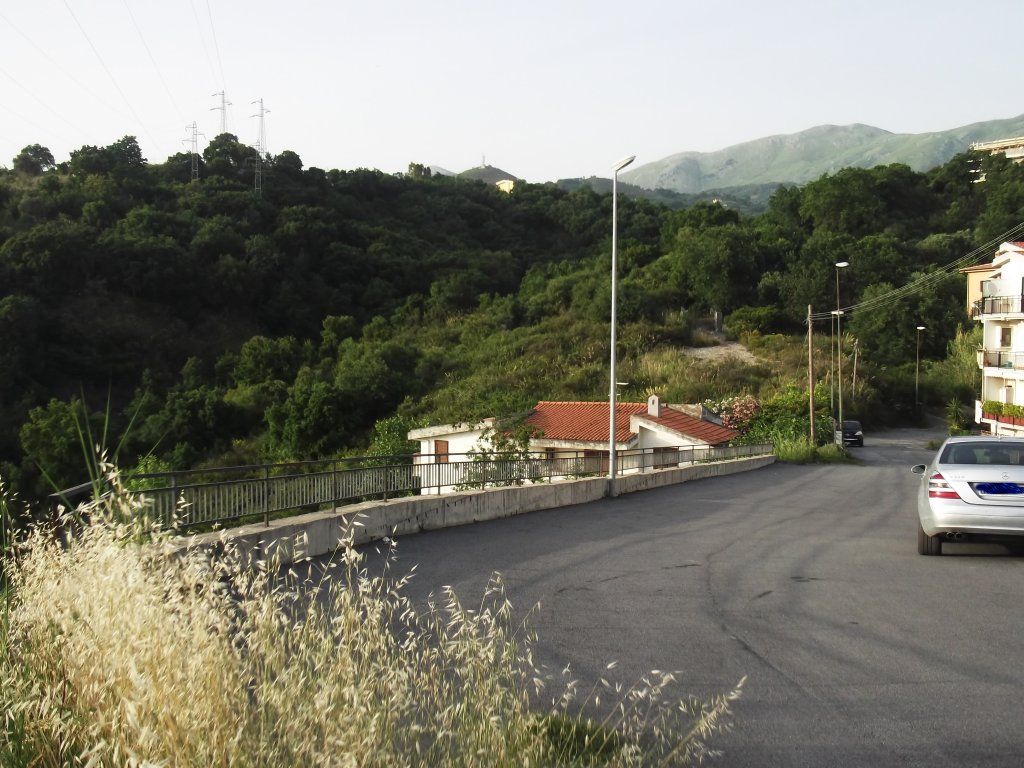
x,y
542,89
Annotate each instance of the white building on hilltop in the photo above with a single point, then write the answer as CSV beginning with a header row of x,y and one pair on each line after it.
x,y
995,296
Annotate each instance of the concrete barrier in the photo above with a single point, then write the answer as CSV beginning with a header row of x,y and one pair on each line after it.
x,y
318,533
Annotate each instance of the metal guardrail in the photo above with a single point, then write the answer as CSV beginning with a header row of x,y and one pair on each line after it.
x,y
190,498
997,305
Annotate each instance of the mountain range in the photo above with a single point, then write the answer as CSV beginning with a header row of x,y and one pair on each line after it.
x,y
800,157
743,176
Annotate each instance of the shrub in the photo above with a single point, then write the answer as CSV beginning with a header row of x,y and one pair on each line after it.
x,y
1013,411
993,407
801,451
114,652
735,412
754,319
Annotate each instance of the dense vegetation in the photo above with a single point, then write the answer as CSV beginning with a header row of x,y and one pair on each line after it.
x,y
339,307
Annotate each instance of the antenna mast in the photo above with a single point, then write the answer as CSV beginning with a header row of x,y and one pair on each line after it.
x,y
223,108
261,147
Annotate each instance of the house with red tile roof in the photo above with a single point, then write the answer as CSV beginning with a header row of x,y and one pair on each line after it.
x,y
648,433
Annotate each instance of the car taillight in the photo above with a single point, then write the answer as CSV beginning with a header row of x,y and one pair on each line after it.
x,y
938,488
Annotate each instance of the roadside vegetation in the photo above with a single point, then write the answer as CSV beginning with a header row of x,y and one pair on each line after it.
x,y
237,329
113,652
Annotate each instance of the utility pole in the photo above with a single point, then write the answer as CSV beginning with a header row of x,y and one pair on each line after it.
x,y
856,349
224,104
193,141
261,147
832,367
810,370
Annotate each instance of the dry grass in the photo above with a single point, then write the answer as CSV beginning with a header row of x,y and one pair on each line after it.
x,y
113,653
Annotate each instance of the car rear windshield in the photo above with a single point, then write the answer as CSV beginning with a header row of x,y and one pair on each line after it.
x,y
994,452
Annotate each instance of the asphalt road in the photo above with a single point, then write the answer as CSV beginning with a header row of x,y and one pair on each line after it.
x,y
857,651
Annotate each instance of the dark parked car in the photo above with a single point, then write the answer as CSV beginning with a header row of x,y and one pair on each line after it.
x,y
853,434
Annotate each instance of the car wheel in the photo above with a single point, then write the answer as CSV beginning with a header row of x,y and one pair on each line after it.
x,y
927,545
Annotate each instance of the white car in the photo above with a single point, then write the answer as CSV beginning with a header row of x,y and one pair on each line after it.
x,y
973,489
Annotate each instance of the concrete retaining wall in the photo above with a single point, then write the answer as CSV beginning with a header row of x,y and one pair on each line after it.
x,y
318,533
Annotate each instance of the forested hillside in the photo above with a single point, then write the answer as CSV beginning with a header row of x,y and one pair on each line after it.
x,y
341,307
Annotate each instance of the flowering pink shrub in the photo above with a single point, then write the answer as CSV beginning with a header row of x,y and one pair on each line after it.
x,y
736,412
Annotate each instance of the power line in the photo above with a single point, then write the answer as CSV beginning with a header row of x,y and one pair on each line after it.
x,y
926,281
216,47
29,120
42,51
78,131
202,41
153,60
109,73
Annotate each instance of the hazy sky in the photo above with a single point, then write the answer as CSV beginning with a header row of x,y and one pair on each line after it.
x,y
545,90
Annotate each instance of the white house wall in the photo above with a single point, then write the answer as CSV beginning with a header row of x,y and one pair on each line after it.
x,y
430,471
649,436
1003,366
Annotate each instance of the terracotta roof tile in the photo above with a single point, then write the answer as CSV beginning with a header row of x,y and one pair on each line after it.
x,y
691,426
588,421
583,421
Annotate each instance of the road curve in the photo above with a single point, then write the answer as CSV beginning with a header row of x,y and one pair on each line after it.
x,y
858,652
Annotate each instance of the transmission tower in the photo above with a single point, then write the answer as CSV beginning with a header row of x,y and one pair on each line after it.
x,y
193,141
261,147
224,104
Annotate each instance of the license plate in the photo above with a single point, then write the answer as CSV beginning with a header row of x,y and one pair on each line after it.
x,y
999,489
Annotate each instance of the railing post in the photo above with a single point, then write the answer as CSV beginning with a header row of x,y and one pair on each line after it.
x,y
385,480
266,497
173,512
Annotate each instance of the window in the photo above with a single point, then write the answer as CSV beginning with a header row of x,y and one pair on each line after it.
x,y
441,451
1005,337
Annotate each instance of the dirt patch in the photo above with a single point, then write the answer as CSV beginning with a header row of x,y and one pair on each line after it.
x,y
721,351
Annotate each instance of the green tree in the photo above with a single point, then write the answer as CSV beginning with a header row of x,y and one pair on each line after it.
x,y
33,160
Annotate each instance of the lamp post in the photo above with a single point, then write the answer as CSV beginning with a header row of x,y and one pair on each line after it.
x,y
917,368
611,389
839,345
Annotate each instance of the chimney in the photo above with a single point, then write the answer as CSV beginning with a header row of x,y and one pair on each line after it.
x,y
654,406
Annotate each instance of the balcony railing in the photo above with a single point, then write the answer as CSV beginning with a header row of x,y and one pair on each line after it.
x,y
991,358
997,305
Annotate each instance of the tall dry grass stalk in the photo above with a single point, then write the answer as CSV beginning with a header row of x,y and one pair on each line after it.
x,y
113,652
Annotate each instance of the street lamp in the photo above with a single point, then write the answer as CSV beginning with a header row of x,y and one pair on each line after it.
x,y
839,342
611,389
917,368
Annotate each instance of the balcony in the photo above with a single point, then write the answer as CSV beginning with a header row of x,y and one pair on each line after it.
x,y
1001,358
997,305
999,423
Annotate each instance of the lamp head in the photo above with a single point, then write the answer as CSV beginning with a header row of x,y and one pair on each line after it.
x,y
920,327
841,264
623,163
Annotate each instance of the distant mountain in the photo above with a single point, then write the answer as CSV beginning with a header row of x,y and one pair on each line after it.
x,y
437,170
487,173
804,156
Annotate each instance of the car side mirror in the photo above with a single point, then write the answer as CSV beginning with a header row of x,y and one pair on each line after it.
x,y
918,469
